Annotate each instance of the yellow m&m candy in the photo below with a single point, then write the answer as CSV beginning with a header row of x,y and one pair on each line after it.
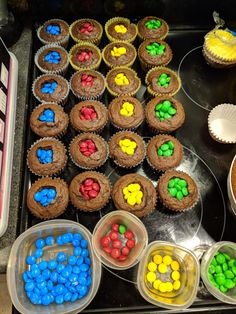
x,y
176,285
162,268
151,276
175,275
157,259
167,260
152,266
156,284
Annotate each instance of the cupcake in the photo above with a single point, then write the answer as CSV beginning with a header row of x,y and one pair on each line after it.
x,y
88,84
126,112
151,27
122,81
154,52
120,29
85,56
47,157
90,191
164,152
119,54
164,114
51,88
177,190
127,149
49,119
54,31
162,81
88,151
89,116
48,198
134,193
219,48
87,30
52,59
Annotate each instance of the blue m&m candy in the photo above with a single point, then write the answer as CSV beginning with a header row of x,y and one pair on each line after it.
x,y
53,29
48,115
53,57
49,88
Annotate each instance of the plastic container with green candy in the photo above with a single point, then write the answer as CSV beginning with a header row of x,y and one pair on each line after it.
x,y
218,271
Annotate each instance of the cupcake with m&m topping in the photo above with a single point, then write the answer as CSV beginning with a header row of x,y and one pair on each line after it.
x,y
54,31
152,27
120,29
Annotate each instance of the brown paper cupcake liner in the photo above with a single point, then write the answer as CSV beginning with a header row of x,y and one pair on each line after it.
x,y
215,61
120,20
61,134
89,168
61,71
110,65
63,42
134,165
82,98
95,41
42,140
61,101
133,93
181,210
89,67
53,216
154,93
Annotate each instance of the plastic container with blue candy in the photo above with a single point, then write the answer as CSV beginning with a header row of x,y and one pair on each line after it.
x,y
53,262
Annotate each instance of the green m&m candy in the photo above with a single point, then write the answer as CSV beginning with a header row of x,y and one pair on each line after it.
x,y
122,229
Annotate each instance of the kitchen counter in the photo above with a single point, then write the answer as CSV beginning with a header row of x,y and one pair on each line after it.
x,y
21,49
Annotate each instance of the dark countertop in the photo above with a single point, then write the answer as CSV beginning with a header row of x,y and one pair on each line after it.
x,y
21,49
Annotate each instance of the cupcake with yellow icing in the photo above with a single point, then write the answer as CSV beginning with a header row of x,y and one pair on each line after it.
x,y
219,48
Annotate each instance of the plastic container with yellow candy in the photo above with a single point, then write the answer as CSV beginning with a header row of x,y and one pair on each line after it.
x,y
168,275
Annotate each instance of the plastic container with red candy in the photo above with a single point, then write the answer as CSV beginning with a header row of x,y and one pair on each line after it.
x,y
119,239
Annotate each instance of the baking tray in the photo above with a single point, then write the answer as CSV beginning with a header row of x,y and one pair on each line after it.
x,y
205,160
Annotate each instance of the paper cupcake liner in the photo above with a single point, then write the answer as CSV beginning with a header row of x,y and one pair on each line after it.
x,y
149,162
53,216
181,210
95,41
61,101
89,168
221,123
146,66
63,42
110,65
89,67
120,20
113,93
60,71
56,173
63,132
82,98
99,130
216,62
126,166
142,38
154,93
100,208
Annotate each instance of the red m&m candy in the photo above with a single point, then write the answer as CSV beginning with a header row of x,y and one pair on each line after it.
x,y
87,147
88,191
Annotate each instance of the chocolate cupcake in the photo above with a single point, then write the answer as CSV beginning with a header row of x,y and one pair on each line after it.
x,y
88,84
52,59
120,29
127,149
154,52
54,31
164,114
49,119
51,88
164,152
89,116
122,81
177,190
85,56
162,81
88,151
134,193
47,157
90,191
152,27
126,112
86,30
48,198
119,54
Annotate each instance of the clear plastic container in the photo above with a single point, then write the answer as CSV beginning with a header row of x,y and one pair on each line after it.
x,y
231,196
24,246
225,247
132,223
189,276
